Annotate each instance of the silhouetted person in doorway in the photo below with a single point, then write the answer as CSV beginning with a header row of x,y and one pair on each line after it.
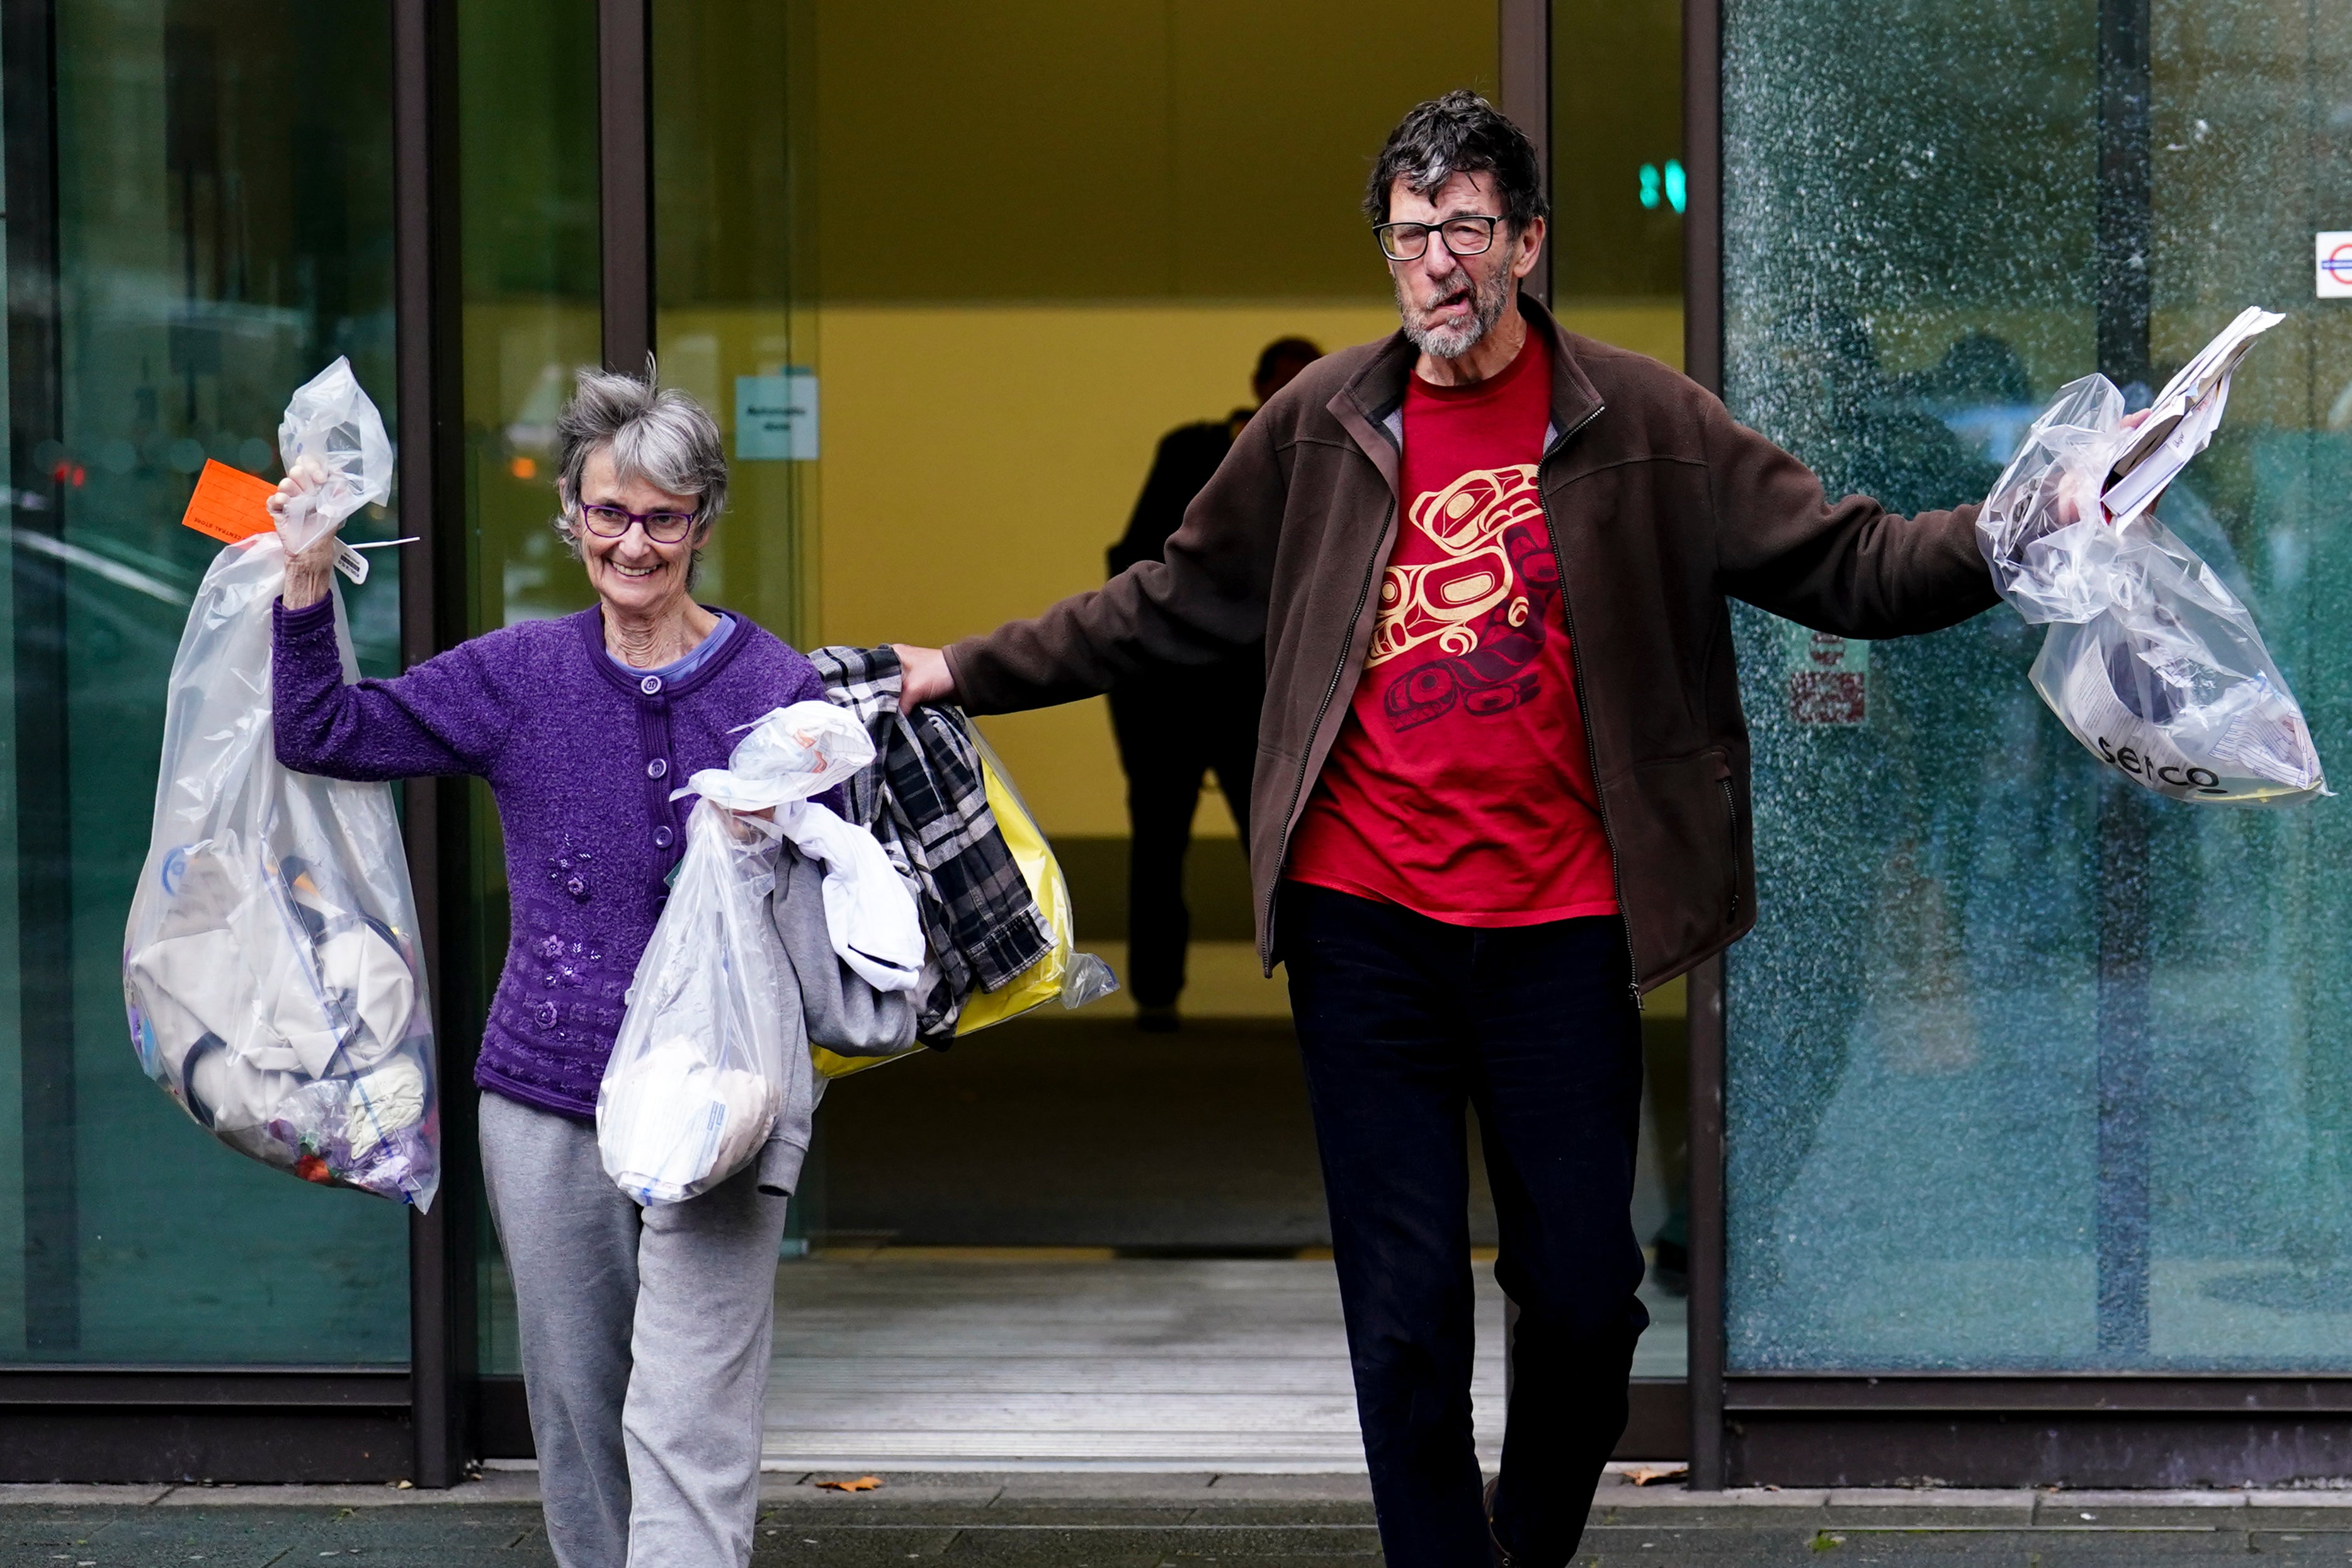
x,y
1176,725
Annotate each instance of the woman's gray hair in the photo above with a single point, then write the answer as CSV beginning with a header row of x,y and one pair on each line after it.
x,y
657,434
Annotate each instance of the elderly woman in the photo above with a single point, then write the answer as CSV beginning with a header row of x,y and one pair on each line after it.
x,y
644,1333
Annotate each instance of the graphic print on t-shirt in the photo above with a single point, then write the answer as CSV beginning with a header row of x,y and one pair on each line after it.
x,y
1471,620
1459,785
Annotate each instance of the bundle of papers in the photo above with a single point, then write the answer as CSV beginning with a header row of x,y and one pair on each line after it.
x,y
2181,422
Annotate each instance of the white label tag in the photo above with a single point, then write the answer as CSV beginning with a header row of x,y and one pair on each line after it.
x,y
775,417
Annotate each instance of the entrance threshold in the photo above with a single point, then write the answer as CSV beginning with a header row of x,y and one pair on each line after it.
x,y
967,1362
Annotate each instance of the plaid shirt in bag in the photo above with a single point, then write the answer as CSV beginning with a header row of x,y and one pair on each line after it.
x,y
927,805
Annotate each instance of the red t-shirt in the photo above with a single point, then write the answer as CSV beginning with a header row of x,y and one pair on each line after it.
x,y
1459,786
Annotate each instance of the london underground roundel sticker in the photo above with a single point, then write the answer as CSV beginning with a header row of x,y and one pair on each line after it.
x,y
2336,264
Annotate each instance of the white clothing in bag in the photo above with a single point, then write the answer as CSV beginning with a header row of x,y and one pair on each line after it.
x,y
270,965
701,1071
798,751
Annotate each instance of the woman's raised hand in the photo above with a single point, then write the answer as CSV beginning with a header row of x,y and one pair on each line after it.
x,y
309,571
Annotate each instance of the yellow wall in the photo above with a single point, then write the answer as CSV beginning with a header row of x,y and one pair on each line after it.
x,y
997,490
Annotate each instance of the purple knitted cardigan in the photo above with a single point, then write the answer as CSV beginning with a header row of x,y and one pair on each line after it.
x,y
581,755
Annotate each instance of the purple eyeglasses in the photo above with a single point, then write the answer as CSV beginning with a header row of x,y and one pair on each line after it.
x,y
661,527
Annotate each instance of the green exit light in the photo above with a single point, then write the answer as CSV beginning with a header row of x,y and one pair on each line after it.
x,y
1668,185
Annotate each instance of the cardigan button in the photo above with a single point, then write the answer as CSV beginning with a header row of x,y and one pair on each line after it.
x,y
649,685
657,767
662,837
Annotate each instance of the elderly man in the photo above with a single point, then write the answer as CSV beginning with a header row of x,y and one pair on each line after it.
x,y
1502,788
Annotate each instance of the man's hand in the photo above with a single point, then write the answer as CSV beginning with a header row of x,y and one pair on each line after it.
x,y
924,676
2078,493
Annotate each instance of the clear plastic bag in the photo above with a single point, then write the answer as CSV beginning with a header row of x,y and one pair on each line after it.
x,y
2151,662
701,1071
270,965
333,437
805,750
1064,974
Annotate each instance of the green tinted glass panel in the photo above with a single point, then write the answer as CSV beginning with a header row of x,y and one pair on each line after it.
x,y
2028,1069
1617,186
222,207
734,258
525,83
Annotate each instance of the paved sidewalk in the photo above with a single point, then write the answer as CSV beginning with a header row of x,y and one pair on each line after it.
x,y
1121,1520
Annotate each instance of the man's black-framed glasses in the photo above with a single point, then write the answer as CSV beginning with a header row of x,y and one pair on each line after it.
x,y
1469,236
661,527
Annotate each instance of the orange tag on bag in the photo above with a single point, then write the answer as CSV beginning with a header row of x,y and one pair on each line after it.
x,y
229,505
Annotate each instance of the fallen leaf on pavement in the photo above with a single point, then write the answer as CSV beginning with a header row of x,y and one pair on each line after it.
x,y
862,1484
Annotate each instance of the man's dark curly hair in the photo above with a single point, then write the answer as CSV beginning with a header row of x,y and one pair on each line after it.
x,y
1461,134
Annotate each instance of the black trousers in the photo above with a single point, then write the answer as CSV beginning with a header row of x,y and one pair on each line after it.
x,y
1403,1022
1174,728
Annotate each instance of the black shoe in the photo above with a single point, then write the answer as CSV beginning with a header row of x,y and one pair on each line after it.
x,y
1157,1020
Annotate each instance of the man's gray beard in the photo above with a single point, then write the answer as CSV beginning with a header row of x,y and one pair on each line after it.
x,y
1487,298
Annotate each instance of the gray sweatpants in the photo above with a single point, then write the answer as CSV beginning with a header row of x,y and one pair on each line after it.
x,y
644,1346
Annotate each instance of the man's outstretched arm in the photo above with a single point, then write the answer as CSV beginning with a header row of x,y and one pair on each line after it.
x,y
1847,567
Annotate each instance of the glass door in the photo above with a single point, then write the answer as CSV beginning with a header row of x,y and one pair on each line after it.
x,y
2029,1070
205,192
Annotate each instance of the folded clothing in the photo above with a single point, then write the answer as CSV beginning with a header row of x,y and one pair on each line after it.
x,y
841,1011
278,1017
673,1117
868,910
928,804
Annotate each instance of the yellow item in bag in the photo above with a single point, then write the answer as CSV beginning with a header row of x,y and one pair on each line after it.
x,y
1062,974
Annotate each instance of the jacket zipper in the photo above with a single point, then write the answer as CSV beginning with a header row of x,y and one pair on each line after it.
x,y
1330,689
1584,711
1731,813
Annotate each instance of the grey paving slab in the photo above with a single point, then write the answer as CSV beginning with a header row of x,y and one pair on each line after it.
x,y
1323,1511
2321,1519
1941,1548
1895,1508
1352,1487
811,1545
2058,1503
32,1525
1143,1513
1941,1498
1123,1551
230,1538
17,1494
1675,1507
495,1487
1196,1521
1085,1485
978,1494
